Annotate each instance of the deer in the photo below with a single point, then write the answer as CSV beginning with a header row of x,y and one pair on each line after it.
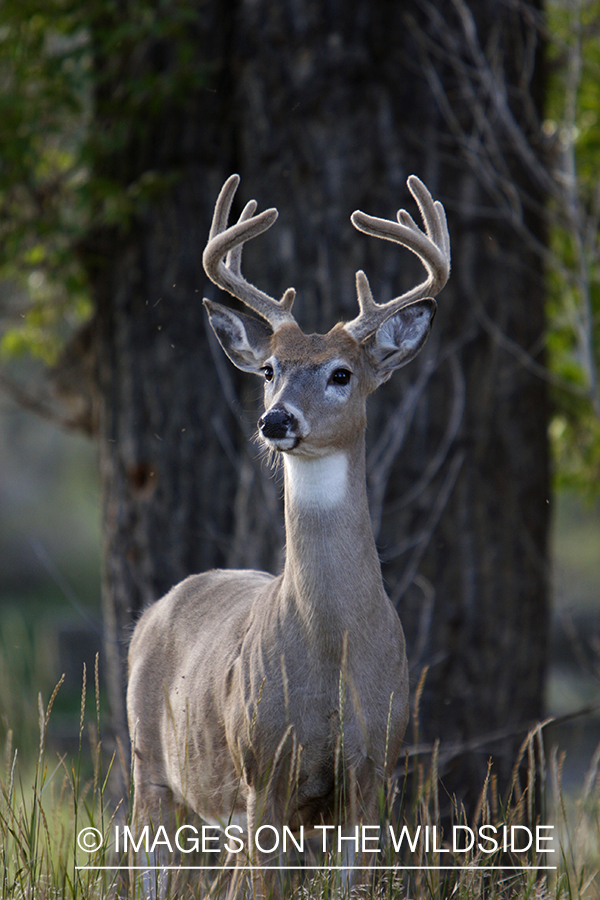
x,y
282,700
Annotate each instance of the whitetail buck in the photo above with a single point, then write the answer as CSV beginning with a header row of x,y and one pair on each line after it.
x,y
283,700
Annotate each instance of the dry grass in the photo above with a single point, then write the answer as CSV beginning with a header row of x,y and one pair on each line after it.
x,y
45,808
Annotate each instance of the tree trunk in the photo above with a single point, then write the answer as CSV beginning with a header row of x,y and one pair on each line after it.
x,y
323,110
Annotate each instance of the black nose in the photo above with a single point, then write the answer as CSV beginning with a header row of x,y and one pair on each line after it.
x,y
277,423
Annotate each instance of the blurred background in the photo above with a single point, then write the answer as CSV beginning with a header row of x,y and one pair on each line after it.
x,y
126,459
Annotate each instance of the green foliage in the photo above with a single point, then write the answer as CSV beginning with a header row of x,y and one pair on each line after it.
x,y
84,93
25,669
44,107
576,447
573,125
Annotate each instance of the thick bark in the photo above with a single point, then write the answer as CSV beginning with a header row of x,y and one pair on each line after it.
x,y
336,123
172,453
163,425
323,109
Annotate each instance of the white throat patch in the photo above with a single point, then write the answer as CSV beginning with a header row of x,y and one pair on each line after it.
x,y
318,482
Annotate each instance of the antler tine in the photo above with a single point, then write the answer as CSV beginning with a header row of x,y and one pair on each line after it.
x,y
432,246
222,257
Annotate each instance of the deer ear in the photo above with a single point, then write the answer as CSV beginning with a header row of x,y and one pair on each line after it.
x,y
245,340
399,338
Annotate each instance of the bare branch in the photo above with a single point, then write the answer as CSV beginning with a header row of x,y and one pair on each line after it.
x,y
435,514
491,144
36,402
441,454
386,449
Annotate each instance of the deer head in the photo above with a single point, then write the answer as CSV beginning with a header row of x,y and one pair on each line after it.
x,y
312,382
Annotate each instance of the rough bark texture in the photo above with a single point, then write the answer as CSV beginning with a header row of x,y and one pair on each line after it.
x,y
323,109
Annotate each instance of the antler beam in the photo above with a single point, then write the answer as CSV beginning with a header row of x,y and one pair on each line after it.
x,y
222,257
431,246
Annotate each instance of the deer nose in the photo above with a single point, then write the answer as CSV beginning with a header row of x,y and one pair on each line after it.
x,y
277,423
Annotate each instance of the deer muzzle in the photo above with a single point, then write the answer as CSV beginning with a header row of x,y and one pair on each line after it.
x,y
279,428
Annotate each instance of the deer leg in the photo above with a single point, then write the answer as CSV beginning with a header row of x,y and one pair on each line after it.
x,y
361,810
348,858
236,881
153,807
266,884
225,884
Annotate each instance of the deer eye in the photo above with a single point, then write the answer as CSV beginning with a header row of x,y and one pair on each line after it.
x,y
340,377
267,372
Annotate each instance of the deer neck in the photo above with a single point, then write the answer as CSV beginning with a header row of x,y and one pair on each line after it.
x,y
332,571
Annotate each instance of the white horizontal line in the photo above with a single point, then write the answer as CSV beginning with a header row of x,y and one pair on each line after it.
x,y
307,868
